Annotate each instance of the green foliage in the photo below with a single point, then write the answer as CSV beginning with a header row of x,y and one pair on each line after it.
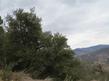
x,y
55,59
23,33
42,54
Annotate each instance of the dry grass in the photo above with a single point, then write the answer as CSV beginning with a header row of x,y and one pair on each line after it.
x,y
23,77
20,76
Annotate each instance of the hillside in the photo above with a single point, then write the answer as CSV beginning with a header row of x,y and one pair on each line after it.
x,y
96,53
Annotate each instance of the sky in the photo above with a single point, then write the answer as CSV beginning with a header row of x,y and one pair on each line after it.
x,y
84,22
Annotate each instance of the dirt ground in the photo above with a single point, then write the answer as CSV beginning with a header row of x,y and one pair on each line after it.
x,y
24,77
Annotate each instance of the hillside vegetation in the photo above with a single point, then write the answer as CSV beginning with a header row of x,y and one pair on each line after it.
x,y
99,53
29,54
25,47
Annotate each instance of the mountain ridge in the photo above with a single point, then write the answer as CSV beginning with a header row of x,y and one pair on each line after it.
x,y
95,53
83,51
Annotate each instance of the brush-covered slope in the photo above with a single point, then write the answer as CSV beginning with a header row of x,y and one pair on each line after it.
x,y
95,53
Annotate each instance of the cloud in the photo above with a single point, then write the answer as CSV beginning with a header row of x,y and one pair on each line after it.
x,y
83,22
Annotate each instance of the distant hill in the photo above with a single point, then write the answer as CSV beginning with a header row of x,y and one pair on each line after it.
x,y
94,53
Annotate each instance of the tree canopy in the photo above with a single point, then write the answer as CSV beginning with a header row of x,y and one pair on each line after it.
x,y
24,46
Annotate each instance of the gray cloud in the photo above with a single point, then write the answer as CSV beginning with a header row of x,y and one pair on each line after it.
x,y
83,22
